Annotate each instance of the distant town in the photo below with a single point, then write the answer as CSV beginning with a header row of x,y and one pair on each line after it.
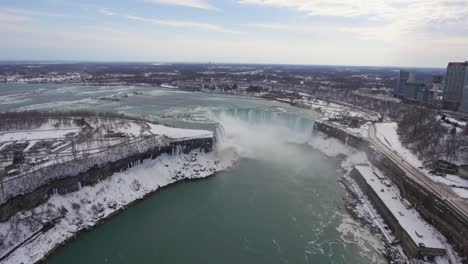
x,y
434,88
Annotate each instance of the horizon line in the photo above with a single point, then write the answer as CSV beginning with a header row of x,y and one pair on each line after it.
x,y
211,62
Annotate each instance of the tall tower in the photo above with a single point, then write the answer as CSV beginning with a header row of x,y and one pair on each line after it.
x,y
404,76
437,86
456,87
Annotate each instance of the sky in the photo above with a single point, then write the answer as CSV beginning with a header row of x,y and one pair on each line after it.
x,y
411,33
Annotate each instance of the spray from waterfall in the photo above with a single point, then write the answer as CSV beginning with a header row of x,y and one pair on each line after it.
x,y
256,133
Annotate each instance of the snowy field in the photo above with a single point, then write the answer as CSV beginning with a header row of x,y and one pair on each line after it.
x,y
387,134
86,207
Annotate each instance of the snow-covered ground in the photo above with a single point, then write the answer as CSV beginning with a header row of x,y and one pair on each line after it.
x,y
387,134
168,86
177,133
463,193
460,123
89,205
362,131
35,134
330,109
59,148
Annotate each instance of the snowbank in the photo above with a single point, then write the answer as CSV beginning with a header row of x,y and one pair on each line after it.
x,y
387,134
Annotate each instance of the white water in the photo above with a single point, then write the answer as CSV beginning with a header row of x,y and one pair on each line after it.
x,y
259,134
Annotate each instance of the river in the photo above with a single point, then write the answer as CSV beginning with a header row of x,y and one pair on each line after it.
x,y
280,203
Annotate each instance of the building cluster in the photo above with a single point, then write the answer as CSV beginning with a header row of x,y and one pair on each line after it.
x,y
413,90
450,93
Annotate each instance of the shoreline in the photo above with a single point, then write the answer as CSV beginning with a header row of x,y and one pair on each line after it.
x,y
351,207
365,210
344,156
116,213
338,160
151,177
341,179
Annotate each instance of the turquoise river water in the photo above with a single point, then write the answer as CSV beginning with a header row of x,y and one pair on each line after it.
x,y
280,203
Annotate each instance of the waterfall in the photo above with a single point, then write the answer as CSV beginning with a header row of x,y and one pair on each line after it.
x,y
253,132
297,126
220,134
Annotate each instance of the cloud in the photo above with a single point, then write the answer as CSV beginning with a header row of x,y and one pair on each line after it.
x,y
14,28
171,23
6,17
282,27
106,30
181,24
14,15
273,26
200,4
339,8
398,17
107,12
30,12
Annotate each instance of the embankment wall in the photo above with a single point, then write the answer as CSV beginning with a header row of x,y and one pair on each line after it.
x,y
435,210
71,183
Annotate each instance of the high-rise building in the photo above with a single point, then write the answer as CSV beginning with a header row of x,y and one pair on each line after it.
x,y
437,78
405,76
437,86
415,91
456,87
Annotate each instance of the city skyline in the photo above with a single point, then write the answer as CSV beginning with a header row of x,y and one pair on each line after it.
x,y
414,33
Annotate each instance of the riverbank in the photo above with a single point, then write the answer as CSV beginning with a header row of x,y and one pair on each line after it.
x,y
363,209
411,187
90,206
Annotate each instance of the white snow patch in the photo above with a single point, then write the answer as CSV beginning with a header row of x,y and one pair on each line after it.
x,y
178,133
387,134
35,134
463,193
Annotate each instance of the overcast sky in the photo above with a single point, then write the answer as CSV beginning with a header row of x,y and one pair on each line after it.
x,y
333,32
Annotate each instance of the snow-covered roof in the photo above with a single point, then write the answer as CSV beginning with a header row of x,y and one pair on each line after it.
x,y
409,219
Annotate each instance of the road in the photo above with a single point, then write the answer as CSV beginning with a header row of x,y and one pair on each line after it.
x,y
459,205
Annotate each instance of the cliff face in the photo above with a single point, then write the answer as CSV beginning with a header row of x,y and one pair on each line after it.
x,y
347,138
433,209
71,183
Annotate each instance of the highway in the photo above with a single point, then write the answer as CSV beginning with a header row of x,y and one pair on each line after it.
x,y
458,204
